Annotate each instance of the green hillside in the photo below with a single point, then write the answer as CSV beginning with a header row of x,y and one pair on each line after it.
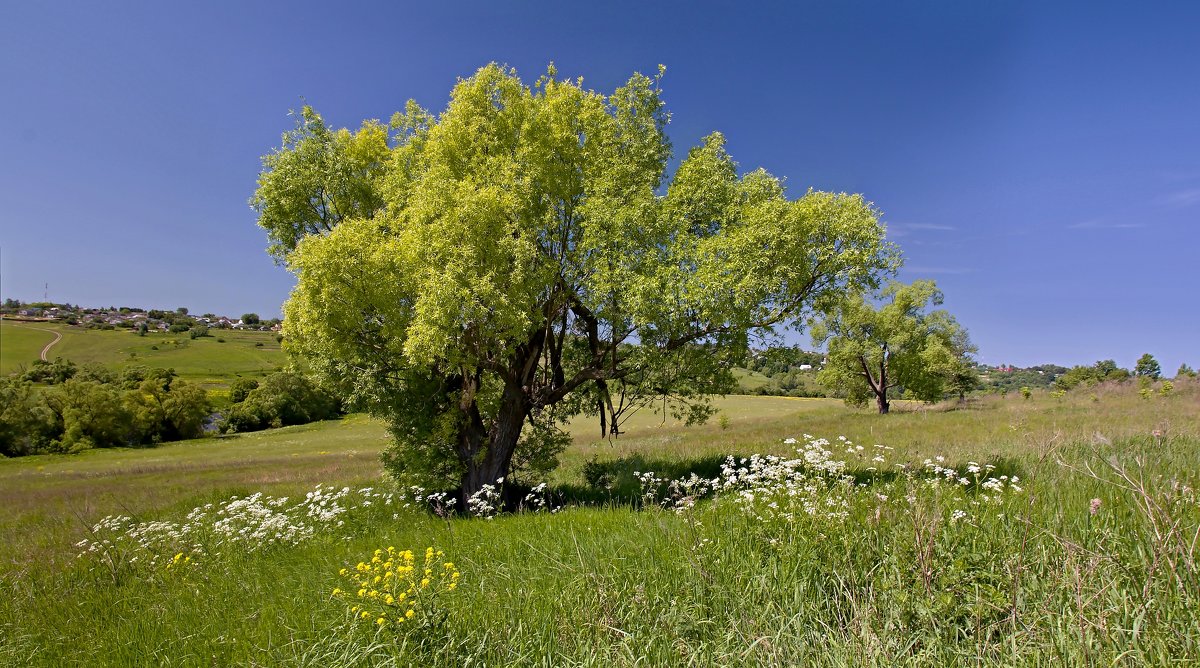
x,y
21,344
212,359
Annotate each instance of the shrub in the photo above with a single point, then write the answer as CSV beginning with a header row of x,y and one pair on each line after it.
x,y
27,425
280,400
240,388
54,373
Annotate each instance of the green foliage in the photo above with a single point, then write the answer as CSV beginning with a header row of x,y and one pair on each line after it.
x,y
1185,371
27,425
280,400
899,344
1035,377
781,369
198,331
1026,392
1147,367
1102,371
99,408
489,272
318,178
52,373
240,388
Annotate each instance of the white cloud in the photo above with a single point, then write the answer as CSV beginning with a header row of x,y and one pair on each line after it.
x,y
934,271
1181,198
1104,225
904,229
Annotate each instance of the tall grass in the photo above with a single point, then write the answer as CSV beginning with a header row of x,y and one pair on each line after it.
x,y
1090,562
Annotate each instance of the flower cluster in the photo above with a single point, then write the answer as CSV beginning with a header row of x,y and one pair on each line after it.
x,y
678,495
247,523
486,502
815,486
391,590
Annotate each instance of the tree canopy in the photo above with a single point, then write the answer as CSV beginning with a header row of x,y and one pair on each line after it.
x,y
1147,367
524,257
874,349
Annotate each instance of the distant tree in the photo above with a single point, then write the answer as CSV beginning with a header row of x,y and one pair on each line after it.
x,y
97,372
178,328
142,329
182,310
280,400
92,415
240,388
250,318
167,411
53,373
1147,367
1101,371
873,350
1185,371
27,425
198,331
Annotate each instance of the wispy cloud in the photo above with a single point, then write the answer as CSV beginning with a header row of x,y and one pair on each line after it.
x,y
935,271
1104,225
904,229
1181,198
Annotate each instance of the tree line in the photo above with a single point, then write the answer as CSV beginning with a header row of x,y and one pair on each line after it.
x,y
58,407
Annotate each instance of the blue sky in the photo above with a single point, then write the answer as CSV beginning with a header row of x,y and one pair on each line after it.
x,y
1040,160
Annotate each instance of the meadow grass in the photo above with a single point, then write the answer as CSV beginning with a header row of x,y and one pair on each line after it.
x,y
1092,562
21,344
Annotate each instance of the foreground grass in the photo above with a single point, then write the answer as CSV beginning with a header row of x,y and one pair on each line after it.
x,y
1032,578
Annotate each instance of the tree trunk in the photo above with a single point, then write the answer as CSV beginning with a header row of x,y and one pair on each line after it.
x,y
490,456
881,400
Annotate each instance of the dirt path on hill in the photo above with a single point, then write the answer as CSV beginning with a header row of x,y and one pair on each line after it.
x,y
48,346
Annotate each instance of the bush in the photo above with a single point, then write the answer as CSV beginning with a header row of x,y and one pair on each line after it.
x,y
240,388
280,400
198,331
27,425
54,373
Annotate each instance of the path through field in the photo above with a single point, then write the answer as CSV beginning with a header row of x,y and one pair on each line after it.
x,y
48,346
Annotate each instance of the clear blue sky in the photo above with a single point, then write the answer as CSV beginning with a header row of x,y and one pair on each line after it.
x,y
1040,160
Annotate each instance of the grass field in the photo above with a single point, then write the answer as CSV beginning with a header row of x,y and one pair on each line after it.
x,y
20,344
1073,569
206,360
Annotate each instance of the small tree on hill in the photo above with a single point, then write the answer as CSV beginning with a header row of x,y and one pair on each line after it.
x,y
1147,367
872,350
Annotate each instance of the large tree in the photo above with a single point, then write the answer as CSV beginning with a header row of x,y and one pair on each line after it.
x,y
873,349
523,257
